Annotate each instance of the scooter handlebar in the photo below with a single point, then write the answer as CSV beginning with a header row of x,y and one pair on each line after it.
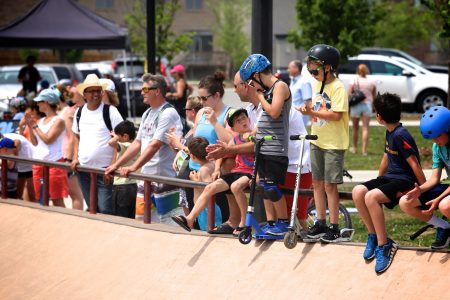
x,y
266,138
301,137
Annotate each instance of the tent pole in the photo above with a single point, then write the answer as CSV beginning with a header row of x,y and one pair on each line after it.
x,y
127,89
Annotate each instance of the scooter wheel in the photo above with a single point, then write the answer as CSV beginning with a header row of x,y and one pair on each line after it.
x,y
245,236
290,239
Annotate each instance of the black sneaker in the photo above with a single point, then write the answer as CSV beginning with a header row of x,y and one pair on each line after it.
x,y
442,238
315,233
331,236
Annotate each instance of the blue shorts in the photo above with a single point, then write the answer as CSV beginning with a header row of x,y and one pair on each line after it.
x,y
432,194
361,109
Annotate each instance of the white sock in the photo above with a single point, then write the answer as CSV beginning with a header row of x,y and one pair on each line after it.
x,y
438,222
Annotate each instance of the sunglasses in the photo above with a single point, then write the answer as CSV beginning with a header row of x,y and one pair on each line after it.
x,y
146,89
204,98
315,72
94,92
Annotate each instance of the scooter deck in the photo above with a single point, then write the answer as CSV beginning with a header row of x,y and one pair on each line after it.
x,y
268,237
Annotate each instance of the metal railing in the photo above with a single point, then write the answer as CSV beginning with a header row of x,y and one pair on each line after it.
x,y
148,179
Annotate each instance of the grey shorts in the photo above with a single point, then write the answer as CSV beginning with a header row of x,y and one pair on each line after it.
x,y
327,165
361,109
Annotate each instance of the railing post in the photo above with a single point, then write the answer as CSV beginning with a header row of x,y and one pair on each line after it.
x,y
147,202
45,185
93,194
4,178
212,213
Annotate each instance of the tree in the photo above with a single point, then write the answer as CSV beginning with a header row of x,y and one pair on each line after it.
x,y
346,25
168,43
403,25
229,34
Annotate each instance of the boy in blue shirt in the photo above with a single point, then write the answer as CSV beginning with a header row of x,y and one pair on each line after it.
x,y
433,194
399,170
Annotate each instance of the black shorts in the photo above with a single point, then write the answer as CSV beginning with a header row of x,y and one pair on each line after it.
x,y
232,177
390,187
273,168
25,174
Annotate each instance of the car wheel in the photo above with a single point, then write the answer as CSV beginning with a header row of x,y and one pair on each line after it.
x,y
430,98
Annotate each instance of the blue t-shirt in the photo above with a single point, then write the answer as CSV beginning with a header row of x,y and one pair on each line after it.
x,y
400,145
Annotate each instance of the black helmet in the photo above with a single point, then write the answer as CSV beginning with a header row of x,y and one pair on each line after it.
x,y
327,54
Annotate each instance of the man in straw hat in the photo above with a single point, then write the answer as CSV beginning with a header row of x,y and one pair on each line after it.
x,y
91,130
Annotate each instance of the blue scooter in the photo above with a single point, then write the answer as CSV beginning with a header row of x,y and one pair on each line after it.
x,y
245,236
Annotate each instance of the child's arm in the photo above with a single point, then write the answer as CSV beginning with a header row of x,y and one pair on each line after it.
x,y
204,174
417,169
280,94
217,164
383,165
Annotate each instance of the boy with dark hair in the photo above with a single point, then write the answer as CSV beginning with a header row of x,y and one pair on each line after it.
x,y
236,181
399,170
124,189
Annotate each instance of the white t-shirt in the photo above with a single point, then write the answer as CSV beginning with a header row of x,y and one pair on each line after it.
x,y
26,150
155,124
94,150
296,127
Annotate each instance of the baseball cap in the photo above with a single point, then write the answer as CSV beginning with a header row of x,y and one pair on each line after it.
x,y
50,96
6,143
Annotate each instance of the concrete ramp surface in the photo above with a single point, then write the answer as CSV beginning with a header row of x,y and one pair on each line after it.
x,y
50,254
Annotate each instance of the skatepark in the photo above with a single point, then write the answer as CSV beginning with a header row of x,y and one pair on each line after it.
x,y
52,253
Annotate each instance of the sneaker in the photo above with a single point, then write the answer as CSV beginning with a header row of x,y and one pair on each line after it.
x,y
331,236
266,227
442,238
384,255
280,228
315,232
371,246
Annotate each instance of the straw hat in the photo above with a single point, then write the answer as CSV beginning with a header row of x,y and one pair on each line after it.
x,y
91,80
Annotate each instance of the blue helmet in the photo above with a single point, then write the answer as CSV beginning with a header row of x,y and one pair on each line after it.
x,y
435,121
252,64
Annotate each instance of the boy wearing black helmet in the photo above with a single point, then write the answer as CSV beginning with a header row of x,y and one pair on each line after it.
x,y
329,121
433,194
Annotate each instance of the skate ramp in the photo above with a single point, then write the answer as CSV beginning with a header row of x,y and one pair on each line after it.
x,y
50,254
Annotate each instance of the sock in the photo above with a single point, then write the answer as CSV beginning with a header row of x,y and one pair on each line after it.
x,y
271,223
283,220
438,222
322,222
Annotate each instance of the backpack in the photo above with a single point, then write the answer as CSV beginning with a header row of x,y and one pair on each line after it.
x,y
147,112
106,117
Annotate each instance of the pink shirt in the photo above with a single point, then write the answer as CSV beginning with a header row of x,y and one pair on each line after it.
x,y
366,85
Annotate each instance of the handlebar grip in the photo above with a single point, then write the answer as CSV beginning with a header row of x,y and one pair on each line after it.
x,y
266,138
301,137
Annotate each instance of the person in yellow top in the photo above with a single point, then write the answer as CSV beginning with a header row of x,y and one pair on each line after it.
x,y
329,121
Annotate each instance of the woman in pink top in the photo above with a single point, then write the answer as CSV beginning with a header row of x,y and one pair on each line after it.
x,y
362,110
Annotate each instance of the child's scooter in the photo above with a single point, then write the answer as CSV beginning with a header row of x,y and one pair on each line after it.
x,y
245,236
291,237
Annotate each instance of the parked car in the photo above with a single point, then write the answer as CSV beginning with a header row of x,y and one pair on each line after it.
x,y
282,73
10,85
88,68
135,67
398,53
418,88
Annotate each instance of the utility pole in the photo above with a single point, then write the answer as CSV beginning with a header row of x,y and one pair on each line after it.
x,y
262,32
151,36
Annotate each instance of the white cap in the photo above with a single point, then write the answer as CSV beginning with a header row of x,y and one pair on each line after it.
x,y
110,86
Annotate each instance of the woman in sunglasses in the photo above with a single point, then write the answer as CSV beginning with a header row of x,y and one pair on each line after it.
x,y
329,121
210,124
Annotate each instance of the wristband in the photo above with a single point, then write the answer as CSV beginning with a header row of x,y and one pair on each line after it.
x,y
35,126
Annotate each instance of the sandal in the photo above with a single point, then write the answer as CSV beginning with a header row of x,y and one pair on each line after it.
x,y
181,220
237,231
224,228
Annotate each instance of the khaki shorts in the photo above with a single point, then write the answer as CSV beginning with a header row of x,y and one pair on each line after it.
x,y
327,165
